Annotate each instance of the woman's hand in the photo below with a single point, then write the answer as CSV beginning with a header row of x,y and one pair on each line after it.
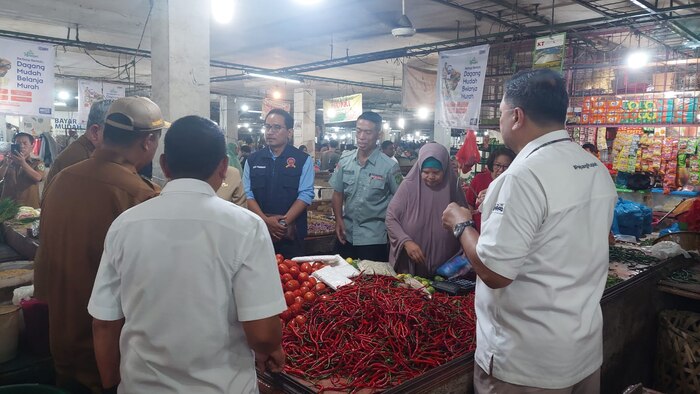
x,y
414,252
480,198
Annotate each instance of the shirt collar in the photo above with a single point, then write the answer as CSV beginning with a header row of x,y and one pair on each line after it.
x,y
372,158
84,141
536,143
188,185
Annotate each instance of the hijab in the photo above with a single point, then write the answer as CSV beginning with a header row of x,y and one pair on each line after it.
x,y
415,212
232,152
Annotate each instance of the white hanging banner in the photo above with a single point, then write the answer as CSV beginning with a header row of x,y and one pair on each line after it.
x,y
92,91
460,87
26,78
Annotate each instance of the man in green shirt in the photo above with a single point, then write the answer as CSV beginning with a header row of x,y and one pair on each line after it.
x,y
364,182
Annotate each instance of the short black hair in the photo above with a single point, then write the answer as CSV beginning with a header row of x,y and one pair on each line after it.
x,y
591,147
333,144
288,119
194,148
372,117
541,94
23,134
303,148
499,152
386,144
115,136
246,149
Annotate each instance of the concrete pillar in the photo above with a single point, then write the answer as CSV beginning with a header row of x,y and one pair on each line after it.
x,y
305,119
179,63
3,126
228,117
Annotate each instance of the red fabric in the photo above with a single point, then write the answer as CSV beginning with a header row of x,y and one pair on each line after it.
x,y
480,182
36,322
692,217
468,154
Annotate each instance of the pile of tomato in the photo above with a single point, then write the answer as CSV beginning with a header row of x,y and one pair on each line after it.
x,y
300,288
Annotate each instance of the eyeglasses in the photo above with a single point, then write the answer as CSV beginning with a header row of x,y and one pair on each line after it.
x,y
275,127
500,166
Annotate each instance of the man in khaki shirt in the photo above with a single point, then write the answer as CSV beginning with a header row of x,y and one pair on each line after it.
x,y
80,205
84,146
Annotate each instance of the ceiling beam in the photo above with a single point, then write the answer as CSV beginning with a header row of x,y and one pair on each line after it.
x,y
480,15
520,10
675,26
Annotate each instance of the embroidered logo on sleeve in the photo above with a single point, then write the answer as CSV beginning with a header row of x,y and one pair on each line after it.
x,y
499,208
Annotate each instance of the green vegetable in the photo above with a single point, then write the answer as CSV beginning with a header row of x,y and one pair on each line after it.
x,y
439,278
8,209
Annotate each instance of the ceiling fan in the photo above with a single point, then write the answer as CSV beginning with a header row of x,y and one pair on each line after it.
x,y
404,26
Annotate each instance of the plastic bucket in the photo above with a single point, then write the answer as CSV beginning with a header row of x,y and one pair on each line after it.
x,y
9,332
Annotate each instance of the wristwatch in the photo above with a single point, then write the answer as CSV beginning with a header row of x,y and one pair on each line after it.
x,y
459,228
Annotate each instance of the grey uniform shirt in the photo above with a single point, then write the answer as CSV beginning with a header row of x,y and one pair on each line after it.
x,y
367,191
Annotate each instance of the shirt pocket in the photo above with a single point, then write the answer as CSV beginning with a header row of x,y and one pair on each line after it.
x,y
290,182
257,178
376,190
349,186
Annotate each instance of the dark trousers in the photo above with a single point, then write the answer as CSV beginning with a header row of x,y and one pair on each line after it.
x,y
289,248
378,252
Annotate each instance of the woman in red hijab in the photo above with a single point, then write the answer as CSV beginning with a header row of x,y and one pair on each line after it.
x,y
419,243
497,163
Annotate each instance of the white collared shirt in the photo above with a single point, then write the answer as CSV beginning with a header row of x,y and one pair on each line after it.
x,y
185,269
545,226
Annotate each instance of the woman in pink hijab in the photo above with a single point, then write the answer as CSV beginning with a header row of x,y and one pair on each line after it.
x,y
419,243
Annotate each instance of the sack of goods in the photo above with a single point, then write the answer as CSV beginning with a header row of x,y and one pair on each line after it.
x,y
632,218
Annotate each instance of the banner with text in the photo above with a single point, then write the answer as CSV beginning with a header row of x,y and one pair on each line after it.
x,y
460,86
342,109
92,91
549,52
418,87
26,78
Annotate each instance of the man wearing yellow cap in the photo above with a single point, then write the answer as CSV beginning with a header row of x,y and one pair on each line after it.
x,y
80,204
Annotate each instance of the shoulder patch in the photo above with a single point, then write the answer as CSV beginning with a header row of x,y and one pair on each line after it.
x,y
398,178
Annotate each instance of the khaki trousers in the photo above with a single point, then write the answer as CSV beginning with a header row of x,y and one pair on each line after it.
x,y
486,384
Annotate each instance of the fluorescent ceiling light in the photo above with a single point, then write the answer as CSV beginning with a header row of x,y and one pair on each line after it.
x,y
274,78
63,95
308,2
423,113
276,95
244,108
386,126
637,59
222,10
246,125
402,123
59,104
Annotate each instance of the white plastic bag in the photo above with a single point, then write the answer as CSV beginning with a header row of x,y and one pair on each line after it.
x,y
665,250
22,293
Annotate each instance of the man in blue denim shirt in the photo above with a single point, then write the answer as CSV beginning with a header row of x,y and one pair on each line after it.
x,y
279,185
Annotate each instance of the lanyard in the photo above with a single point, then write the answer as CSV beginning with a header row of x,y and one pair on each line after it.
x,y
547,143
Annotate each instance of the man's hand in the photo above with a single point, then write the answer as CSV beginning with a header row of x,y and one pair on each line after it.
x,y
277,230
414,252
17,160
340,230
455,214
274,362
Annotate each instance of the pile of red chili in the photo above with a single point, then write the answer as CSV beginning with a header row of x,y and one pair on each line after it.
x,y
376,334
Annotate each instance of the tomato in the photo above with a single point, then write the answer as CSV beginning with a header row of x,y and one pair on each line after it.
x,y
306,284
309,296
290,263
297,293
319,287
283,269
304,290
295,308
305,267
286,315
303,276
289,298
312,282
286,278
317,266
298,300
300,320
294,271
324,297
279,258
292,285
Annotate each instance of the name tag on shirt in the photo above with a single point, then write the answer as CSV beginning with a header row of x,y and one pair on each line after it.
x,y
349,172
499,208
263,167
376,177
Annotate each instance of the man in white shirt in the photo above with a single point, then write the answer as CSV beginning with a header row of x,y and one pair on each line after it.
x,y
542,257
187,296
